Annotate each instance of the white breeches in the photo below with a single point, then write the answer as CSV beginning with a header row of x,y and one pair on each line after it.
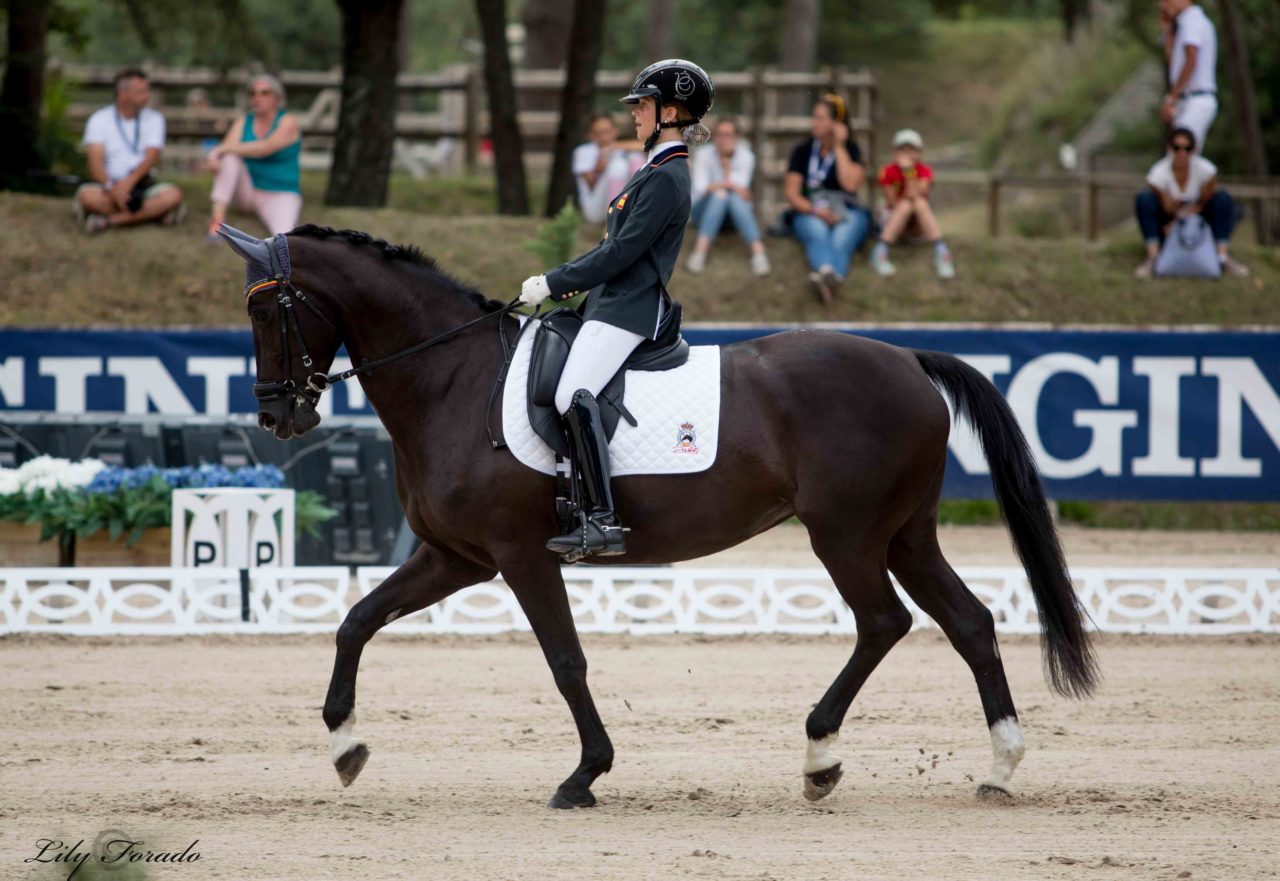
x,y
1196,114
596,355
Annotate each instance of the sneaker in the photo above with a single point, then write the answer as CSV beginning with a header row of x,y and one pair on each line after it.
x,y
175,217
880,263
760,264
831,280
77,211
818,285
1144,268
1232,266
96,223
697,263
944,265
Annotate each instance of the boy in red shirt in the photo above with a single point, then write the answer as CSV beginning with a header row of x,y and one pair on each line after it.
x,y
906,182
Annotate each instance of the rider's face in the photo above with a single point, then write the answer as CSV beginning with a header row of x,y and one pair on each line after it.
x,y
643,116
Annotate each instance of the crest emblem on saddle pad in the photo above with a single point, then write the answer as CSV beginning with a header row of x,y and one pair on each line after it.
x,y
686,439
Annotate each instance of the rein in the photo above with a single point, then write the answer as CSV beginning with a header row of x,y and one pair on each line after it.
x,y
318,383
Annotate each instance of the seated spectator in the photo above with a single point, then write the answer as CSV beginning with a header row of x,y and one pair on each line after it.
x,y
906,183
123,144
722,188
602,166
1182,184
256,165
821,186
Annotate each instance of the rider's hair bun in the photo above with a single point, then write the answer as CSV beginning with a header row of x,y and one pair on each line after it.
x,y
695,135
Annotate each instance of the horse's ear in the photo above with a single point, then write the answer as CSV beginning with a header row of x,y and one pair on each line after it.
x,y
251,248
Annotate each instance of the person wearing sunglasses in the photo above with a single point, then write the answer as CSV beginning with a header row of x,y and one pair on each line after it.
x,y
256,165
1182,184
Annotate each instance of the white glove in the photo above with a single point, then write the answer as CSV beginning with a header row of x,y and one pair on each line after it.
x,y
534,290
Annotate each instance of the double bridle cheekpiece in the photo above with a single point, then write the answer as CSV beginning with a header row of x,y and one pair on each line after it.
x,y
316,382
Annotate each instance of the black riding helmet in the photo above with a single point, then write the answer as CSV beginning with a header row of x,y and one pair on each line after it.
x,y
673,80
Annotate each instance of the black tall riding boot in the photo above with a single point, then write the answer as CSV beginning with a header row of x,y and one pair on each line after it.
x,y
599,531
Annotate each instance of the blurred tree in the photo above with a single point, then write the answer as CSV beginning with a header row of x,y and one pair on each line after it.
x,y
546,41
585,43
22,94
799,47
1074,14
504,126
366,119
660,37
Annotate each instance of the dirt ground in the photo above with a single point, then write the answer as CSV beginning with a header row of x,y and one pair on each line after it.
x,y
788,545
1169,773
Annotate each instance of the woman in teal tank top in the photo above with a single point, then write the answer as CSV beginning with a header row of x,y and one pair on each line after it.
x,y
256,165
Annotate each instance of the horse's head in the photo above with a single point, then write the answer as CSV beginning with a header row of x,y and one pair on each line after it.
x,y
294,343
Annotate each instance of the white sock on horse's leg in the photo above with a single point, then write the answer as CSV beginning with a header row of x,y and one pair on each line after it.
x,y
1007,750
349,754
819,758
343,737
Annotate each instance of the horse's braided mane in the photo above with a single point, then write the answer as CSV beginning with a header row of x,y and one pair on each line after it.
x,y
410,254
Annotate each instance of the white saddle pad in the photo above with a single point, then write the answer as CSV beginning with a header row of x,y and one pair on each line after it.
x,y
678,412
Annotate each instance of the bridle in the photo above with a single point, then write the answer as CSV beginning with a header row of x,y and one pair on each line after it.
x,y
317,383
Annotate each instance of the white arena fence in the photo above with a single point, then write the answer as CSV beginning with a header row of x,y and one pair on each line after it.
x,y
166,601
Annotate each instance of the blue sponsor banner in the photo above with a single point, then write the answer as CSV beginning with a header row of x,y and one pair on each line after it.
x,y
1120,414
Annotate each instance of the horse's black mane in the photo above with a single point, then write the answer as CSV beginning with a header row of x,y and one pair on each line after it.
x,y
410,254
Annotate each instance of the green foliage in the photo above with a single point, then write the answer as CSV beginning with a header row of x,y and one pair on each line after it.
x,y
58,144
557,239
969,512
128,512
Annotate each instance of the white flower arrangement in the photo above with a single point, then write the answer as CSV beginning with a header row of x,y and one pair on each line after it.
x,y
47,473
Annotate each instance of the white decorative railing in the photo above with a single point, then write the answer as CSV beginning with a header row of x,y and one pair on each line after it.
x,y
604,600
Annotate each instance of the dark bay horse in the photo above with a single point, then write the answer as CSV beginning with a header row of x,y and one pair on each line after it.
x,y
845,433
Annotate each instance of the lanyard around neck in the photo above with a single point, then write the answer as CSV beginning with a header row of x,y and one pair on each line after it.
x,y
137,130
818,171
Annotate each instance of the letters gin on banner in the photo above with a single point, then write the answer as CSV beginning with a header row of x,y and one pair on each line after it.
x,y
232,528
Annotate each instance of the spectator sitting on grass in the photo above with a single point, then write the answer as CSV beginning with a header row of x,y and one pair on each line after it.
x,y
256,165
123,143
602,166
906,182
722,187
821,185
1182,184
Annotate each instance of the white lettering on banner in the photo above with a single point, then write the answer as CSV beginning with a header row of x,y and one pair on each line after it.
x,y
1106,426
217,373
69,375
1240,382
145,381
964,443
13,381
1164,414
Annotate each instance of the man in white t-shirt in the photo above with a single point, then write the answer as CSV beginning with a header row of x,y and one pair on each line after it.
x,y
1192,100
602,167
122,144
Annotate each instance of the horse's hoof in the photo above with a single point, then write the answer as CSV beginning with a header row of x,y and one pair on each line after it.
x,y
351,763
566,799
993,793
820,783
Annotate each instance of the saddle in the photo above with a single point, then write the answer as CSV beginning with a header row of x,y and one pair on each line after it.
x,y
555,335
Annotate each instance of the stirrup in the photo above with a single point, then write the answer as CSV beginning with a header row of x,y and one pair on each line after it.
x,y
591,537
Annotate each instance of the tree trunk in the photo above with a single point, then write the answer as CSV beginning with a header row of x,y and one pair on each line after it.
x,y
22,95
1074,14
585,44
504,125
660,41
799,47
366,133
1236,55
547,24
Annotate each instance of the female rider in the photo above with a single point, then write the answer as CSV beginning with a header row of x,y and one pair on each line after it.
x,y
626,277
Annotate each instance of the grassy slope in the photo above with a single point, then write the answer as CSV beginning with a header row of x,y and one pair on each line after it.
x,y
155,277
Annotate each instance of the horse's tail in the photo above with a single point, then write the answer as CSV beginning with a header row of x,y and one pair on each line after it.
x,y
1070,664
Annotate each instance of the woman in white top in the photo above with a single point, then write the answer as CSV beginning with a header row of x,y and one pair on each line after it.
x,y
721,178
1182,184
602,166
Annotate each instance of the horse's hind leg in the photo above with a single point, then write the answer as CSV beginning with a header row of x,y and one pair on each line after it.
x,y
917,561
427,577
857,569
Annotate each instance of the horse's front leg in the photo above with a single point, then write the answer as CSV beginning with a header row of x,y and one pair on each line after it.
x,y
427,577
539,587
